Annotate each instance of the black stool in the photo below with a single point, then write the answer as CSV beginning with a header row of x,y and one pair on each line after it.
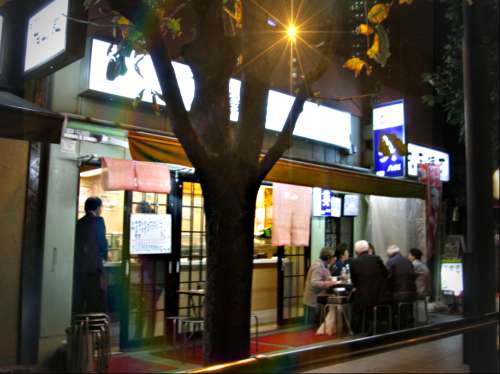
x,y
375,310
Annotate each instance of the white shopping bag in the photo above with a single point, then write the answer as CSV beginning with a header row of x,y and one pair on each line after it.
x,y
328,326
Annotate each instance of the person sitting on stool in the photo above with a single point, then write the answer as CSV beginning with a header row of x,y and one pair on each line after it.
x,y
318,279
369,279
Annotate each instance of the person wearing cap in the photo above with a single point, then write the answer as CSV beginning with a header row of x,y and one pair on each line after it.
x,y
318,279
91,251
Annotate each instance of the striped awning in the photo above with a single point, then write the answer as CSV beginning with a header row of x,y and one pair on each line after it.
x,y
148,147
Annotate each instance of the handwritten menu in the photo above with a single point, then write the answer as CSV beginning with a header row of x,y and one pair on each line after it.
x,y
150,234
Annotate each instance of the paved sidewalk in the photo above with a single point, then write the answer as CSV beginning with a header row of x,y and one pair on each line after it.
x,y
440,356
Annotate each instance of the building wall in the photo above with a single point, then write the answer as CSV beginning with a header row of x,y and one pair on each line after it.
x,y
67,85
13,168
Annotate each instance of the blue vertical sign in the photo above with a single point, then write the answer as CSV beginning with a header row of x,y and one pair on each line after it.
x,y
389,139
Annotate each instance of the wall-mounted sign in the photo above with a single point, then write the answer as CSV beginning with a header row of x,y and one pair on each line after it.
x,y
326,204
389,139
418,154
51,41
46,37
150,234
351,205
317,122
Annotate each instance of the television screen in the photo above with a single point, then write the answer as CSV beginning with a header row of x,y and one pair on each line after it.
x,y
351,205
46,36
451,277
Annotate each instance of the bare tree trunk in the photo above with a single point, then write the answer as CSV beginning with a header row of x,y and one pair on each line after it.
x,y
230,212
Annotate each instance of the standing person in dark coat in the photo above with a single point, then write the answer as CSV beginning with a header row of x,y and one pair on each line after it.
x,y
91,250
401,275
369,279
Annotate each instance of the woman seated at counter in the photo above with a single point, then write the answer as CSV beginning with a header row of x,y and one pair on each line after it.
x,y
318,279
341,257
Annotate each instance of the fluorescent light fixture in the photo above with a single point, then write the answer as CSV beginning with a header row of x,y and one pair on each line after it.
x,y
46,36
317,122
418,154
1,29
91,173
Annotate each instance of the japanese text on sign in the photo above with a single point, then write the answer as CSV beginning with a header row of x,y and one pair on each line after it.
x,y
150,234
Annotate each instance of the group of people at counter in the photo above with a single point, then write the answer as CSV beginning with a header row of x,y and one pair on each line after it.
x,y
371,281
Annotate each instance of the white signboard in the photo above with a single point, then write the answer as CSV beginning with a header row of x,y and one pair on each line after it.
x,y
150,234
351,205
388,115
423,155
317,122
46,36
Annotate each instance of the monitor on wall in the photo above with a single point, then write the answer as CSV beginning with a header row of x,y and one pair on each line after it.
x,y
52,39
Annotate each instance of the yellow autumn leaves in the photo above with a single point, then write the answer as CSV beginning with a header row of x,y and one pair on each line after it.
x,y
379,50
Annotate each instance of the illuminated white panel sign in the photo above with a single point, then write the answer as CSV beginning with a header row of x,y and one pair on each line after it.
x,y
46,36
388,115
322,123
325,203
423,155
316,122
452,277
351,205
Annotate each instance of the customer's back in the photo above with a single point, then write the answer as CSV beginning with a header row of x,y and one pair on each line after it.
x,y
369,278
401,276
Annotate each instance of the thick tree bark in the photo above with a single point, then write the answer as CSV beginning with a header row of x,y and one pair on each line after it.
x,y
230,212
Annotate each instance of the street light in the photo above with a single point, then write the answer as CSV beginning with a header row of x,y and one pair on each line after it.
x,y
291,32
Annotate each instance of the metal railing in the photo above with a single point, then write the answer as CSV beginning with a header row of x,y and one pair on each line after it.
x,y
334,352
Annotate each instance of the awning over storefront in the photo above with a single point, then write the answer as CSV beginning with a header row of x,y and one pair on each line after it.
x,y
148,147
21,119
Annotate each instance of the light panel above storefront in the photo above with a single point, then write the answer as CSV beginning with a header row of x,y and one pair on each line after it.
x,y
317,122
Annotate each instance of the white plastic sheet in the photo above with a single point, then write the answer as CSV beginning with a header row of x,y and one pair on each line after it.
x,y
399,221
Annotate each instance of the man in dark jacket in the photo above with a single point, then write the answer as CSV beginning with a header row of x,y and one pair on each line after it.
x,y
401,275
91,250
369,279
401,284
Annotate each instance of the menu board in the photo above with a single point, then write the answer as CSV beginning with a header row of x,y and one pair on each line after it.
x,y
46,37
452,278
150,234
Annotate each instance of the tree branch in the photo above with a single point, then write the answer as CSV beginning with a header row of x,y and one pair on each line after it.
x,y
255,83
143,18
211,57
285,140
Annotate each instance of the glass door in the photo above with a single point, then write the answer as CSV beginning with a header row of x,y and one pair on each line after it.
x,y
193,247
147,284
293,263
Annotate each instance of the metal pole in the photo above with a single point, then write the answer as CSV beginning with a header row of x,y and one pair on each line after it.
x,y
480,28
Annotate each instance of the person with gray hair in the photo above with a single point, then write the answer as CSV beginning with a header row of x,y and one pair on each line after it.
x,y
318,279
400,275
369,279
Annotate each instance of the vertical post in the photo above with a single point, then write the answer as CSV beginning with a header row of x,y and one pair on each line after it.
x,y
480,28
32,254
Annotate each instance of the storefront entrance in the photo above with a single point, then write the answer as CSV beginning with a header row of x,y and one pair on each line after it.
x,y
140,288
